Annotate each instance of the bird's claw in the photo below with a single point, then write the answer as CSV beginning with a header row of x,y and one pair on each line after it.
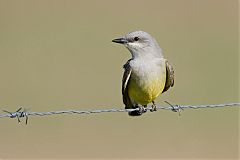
x,y
154,107
141,110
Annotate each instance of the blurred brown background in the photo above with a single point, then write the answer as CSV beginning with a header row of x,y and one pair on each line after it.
x,y
58,55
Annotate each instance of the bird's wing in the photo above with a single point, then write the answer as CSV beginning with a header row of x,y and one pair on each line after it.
x,y
125,80
169,76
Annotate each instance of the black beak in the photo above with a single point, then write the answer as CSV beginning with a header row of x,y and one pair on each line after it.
x,y
120,40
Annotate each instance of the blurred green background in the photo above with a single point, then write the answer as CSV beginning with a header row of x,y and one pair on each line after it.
x,y
58,55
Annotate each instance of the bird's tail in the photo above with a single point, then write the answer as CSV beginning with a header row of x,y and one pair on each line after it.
x,y
134,113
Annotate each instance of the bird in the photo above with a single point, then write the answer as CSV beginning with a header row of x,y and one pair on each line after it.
x,y
147,74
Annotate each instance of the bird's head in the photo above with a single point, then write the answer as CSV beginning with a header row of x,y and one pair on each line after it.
x,y
140,43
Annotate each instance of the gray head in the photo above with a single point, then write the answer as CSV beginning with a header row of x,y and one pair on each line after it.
x,y
140,44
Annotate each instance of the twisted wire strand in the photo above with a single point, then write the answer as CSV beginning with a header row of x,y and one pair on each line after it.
x,y
21,112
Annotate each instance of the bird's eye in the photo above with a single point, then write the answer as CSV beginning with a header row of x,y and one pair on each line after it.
x,y
136,38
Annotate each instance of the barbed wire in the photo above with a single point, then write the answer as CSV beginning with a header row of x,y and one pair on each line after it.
x,y
22,112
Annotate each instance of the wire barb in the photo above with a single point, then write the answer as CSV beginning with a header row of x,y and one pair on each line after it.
x,y
17,114
175,108
21,112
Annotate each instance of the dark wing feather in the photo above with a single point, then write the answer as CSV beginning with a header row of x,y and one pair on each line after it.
x,y
125,80
169,77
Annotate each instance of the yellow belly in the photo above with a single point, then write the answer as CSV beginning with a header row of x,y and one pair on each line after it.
x,y
144,92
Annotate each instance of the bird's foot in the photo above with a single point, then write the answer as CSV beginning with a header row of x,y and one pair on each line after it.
x,y
140,111
154,107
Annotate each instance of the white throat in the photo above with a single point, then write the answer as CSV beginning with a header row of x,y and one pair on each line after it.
x,y
145,53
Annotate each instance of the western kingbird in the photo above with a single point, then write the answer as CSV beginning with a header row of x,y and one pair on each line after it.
x,y
146,75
